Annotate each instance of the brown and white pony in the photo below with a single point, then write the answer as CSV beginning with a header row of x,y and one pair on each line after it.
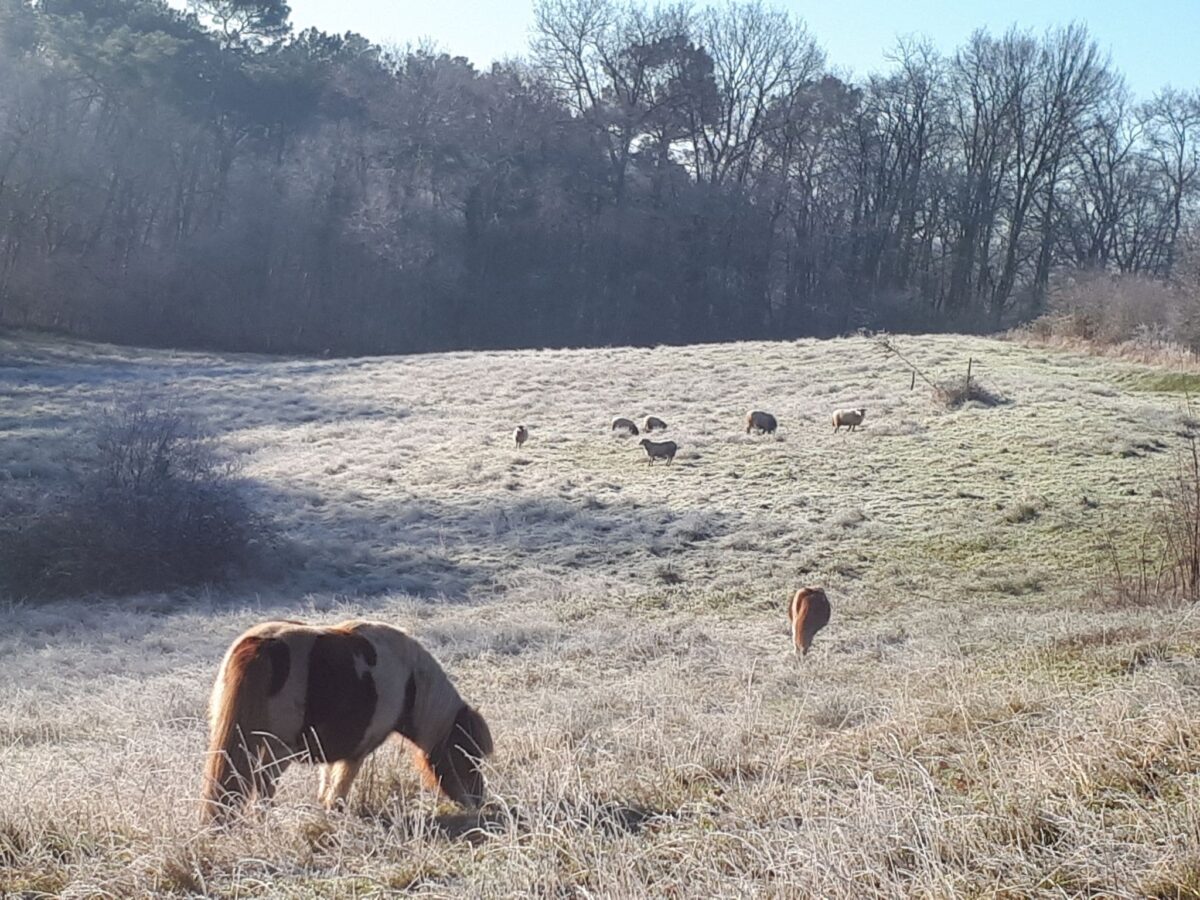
x,y
330,695
809,613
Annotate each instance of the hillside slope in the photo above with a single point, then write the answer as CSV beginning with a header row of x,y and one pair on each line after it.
x,y
973,720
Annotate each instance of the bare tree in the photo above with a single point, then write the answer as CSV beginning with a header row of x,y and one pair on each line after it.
x,y
760,57
622,70
1057,86
1172,121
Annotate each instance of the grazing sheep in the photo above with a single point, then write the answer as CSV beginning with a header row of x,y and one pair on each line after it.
x,y
809,613
521,435
654,423
659,450
759,421
851,418
620,423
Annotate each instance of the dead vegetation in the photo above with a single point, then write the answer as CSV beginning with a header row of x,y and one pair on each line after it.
x,y
950,393
1163,563
1129,317
156,506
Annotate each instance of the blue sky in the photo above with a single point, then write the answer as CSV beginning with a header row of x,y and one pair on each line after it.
x,y
1153,42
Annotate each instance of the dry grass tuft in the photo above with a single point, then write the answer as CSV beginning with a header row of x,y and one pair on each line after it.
x,y
956,392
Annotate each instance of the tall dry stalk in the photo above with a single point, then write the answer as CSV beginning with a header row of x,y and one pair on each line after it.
x,y
1180,523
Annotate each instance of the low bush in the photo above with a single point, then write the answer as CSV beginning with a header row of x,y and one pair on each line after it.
x,y
1135,312
954,392
157,507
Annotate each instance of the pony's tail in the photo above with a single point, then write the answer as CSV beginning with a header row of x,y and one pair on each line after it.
x,y
237,716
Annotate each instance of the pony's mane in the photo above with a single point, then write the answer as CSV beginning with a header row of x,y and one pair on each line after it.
x,y
444,722
437,700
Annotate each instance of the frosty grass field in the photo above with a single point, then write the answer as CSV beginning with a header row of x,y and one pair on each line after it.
x,y
980,718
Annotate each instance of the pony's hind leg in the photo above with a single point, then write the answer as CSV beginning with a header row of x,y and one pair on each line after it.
x,y
336,779
799,639
268,768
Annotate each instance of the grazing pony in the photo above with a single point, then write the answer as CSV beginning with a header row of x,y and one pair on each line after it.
x,y
809,613
330,695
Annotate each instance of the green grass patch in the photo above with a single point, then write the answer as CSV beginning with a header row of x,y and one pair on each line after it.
x,y
1167,382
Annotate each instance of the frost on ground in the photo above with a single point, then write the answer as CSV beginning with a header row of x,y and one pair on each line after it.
x,y
973,720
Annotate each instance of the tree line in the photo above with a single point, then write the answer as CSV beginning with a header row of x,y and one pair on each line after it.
x,y
642,174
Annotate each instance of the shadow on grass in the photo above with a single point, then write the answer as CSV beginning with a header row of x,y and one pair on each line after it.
x,y
611,817
451,550
431,548
416,546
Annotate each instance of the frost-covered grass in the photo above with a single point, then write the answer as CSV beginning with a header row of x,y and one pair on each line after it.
x,y
973,721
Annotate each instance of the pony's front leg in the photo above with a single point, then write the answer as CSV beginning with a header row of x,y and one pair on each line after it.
x,y
336,779
323,784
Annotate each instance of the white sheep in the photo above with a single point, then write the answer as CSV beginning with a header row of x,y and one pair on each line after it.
x,y
851,418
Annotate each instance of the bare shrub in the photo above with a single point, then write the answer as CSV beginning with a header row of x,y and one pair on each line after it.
x,y
1179,524
157,508
1120,309
952,392
955,392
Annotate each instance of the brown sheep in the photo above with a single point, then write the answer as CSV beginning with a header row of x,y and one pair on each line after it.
x,y
521,435
808,613
626,425
654,423
759,421
659,450
851,418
